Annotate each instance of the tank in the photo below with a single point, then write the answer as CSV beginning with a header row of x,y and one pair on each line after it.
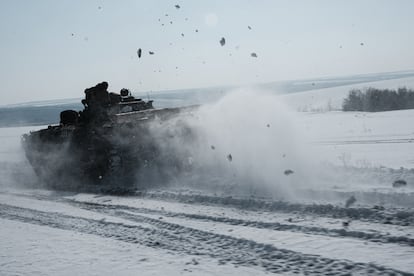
x,y
113,145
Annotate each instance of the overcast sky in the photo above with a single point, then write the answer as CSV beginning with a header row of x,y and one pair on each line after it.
x,y
55,49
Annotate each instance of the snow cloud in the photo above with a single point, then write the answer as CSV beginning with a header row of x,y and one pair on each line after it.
x,y
246,142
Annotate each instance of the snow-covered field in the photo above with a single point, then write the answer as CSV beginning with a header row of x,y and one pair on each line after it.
x,y
230,229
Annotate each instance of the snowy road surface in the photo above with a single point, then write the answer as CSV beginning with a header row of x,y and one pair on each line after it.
x,y
105,234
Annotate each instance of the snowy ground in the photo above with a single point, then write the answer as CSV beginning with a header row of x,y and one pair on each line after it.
x,y
176,233
229,229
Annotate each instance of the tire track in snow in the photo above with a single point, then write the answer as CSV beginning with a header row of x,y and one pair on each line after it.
x,y
363,141
387,216
341,248
396,217
182,239
333,232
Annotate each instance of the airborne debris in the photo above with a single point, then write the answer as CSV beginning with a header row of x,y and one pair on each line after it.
x,y
150,52
249,27
253,55
177,6
350,201
139,52
399,183
222,41
288,172
213,147
362,44
182,34
268,125
196,30
229,157
346,223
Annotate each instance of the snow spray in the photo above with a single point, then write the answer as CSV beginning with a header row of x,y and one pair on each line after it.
x,y
245,143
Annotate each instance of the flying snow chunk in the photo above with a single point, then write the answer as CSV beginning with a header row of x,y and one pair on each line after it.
x,y
229,157
151,52
177,6
288,172
139,52
222,41
253,55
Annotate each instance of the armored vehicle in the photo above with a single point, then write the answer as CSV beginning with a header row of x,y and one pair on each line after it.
x,y
117,143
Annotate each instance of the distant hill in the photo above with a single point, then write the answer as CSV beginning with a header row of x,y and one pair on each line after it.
x,y
33,115
47,112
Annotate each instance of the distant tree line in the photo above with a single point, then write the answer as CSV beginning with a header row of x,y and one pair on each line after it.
x,y
374,100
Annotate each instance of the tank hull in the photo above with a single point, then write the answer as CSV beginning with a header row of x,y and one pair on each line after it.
x,y
123,153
